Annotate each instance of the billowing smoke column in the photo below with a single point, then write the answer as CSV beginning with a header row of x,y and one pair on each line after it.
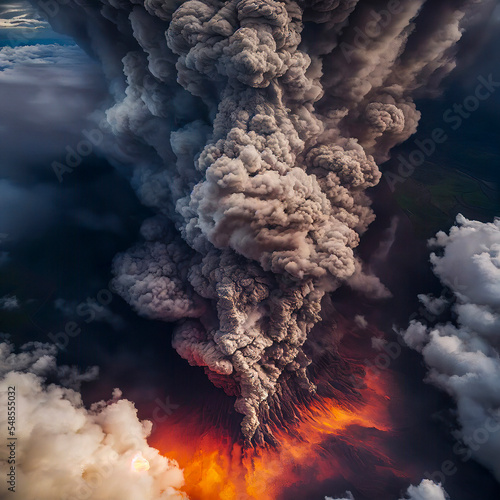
x,y
253,128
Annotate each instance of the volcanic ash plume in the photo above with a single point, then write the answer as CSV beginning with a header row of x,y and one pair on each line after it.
x,y
65,451
463,356
253,128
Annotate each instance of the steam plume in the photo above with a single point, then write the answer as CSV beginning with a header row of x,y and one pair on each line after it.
x,y
253,128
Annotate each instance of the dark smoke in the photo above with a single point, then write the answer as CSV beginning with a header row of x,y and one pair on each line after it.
x,y
254,128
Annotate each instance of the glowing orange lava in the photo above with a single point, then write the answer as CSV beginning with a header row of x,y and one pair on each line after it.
x,y
317,448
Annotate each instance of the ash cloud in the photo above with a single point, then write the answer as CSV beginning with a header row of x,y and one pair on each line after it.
x,y
463,355
254,128
66,451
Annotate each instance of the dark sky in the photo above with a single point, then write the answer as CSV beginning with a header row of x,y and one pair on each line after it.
x,y
58,239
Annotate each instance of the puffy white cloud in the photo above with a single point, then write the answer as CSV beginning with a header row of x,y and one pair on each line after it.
x,y
463,356
66,451
426,490
470,265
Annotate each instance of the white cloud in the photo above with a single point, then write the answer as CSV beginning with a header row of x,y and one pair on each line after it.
x,y
66,451
435,305
463,357
426,490
470,265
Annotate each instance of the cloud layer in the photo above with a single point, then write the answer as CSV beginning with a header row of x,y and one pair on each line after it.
x,y
463,355
66,451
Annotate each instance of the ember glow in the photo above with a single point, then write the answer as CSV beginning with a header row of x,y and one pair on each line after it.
x,y
330,439
214,467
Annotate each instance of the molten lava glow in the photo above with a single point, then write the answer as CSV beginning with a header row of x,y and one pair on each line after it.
x,y
139,463
330,441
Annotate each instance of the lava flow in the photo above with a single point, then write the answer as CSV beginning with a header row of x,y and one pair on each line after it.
x,y
329,442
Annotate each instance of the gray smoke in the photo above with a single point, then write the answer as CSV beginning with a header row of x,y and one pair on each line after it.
x,y
253,128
